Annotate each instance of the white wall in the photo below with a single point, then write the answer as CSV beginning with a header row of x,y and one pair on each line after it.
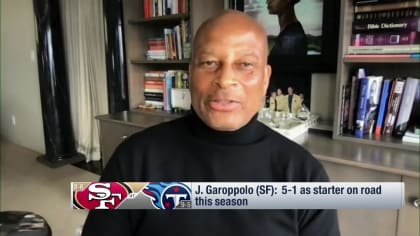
x,y
20,95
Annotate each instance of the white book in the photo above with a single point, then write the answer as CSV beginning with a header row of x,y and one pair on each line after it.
x,y
407,139
380,49
177,30
406,106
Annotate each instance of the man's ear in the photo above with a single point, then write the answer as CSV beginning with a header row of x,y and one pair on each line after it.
x,y
267,75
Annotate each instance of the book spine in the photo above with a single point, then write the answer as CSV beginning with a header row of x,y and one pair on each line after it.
x,y
353,101
382,107
345,107
148,98
406,106
393,105
397,24
361,107
157,95
387,14
386,6
374,2
367,39
414,122
389,49
374,91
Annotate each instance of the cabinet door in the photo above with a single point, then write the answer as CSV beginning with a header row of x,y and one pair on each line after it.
x,y
408,216
363,222
111,135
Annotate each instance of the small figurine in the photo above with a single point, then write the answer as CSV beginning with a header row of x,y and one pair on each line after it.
x,y
294,101
272,101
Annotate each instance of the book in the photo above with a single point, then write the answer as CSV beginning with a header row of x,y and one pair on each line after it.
x,y
387,14
386,6
375,86
354,93
393,105
399,25
386,86
365,39
345,108
374,2
407,101
397,49
411,136
383,56
361,107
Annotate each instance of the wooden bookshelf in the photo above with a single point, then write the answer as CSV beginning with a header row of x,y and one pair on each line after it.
x,y
363,59
138,30
152,62
390,66
157,19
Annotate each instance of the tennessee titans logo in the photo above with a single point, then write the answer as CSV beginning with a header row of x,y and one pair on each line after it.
x,y
167,196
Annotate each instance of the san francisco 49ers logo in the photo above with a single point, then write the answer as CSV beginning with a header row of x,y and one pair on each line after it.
x,y
168,195
101,196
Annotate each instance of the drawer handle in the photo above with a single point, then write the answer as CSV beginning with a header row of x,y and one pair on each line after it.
x,y
416,203
123,137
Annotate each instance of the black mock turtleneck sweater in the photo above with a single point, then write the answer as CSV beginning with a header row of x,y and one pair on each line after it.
x,y
187,150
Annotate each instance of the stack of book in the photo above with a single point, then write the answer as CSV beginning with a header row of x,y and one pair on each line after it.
x,y
158,86
386,27
156,49
154,8
375,106
174,45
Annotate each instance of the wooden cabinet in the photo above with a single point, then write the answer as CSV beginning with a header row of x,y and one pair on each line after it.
x,y
114,128
112,134
363,222
372,222
389,67
408,217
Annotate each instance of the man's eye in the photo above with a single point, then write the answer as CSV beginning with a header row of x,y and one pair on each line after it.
x,y
246,65
209,64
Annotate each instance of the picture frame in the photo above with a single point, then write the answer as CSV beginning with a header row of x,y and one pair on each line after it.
x,y
325,61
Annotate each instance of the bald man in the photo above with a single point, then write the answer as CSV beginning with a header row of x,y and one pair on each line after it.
x,y
221,140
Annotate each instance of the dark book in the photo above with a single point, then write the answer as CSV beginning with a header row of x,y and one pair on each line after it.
x,y
414,121
376,2
354,95
156,95
386,87
406,106
367,39
393,105
400,25
386,6
367,108
345,108
387,14
148,98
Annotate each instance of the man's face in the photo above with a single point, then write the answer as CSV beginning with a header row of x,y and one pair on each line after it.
x,y
290,90
277,6
229,77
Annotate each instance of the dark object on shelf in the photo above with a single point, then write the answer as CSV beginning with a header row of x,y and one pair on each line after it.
x,y
60,145
115,57
22,223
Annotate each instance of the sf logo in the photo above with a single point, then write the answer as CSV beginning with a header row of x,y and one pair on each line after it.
x,y
102,196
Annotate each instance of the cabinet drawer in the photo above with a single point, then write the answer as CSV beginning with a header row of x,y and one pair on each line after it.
x,y
361,222
111,135
408,217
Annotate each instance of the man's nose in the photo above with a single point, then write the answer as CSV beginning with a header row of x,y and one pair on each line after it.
x,y
226,77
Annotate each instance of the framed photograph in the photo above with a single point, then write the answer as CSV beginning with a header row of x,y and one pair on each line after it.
x,y
320,22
